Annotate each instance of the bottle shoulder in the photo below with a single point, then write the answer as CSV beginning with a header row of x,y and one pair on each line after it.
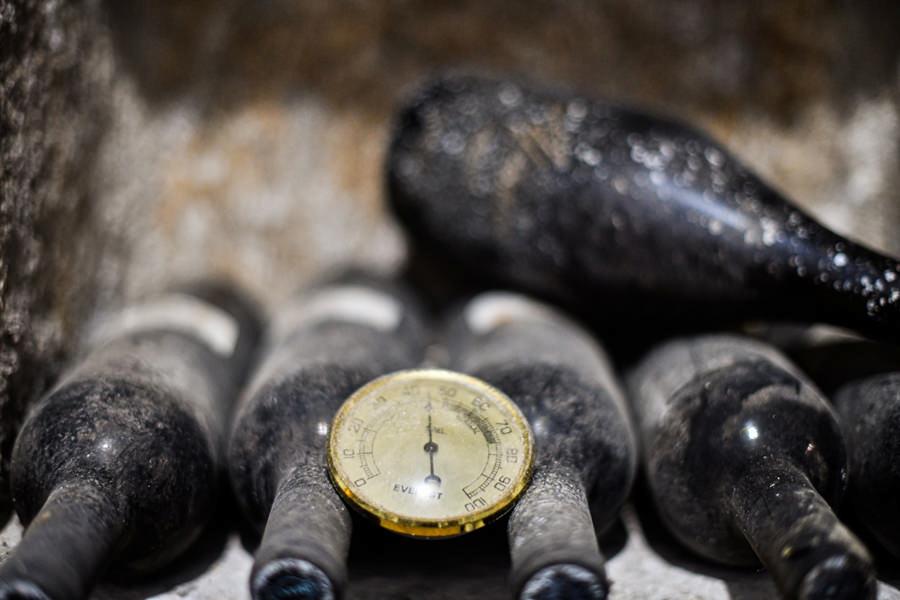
x,y
143,449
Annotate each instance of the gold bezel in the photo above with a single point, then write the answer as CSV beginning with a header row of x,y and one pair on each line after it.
x,y
431,528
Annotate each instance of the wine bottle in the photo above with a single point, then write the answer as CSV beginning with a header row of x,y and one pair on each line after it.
x,y
744,458
584,445
870,415
120,463
323,345
554,193
829,356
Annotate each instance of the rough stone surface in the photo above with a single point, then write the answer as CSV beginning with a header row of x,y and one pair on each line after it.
x,y
53,74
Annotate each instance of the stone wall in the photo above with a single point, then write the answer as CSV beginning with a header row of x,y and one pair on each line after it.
x,y
53,109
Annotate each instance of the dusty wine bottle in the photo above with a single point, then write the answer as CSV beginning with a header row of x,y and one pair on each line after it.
x,y
830,356
554,193
743,457
870,416
322,346
120,463
584,445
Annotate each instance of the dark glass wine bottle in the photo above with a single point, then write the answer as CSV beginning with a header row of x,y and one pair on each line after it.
x,y
584,445
121,462
584,201
323,345
743,457
829,356
870,416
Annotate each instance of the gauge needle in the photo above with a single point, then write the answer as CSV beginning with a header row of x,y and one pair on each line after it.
x,y
431,448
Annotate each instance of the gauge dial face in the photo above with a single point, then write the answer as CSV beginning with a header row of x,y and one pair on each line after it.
x,y
430,453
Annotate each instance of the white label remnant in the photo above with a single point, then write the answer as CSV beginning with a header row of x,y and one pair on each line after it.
x,y
492,309
354,304
180,312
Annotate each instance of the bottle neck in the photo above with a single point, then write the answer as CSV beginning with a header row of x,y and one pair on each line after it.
x,y
797,536
552,541
304,547
66,547
851,286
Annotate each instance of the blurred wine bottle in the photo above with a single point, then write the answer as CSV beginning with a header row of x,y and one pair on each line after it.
x,y
829,356
584,445
870,413
120,464
323,345
592,203
743,457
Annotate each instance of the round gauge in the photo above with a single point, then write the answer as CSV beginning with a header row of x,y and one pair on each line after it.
x,y
430,453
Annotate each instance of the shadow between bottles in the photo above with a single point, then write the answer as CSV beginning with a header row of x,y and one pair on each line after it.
x,y
387,566
887,566
123,584
612,539
742,584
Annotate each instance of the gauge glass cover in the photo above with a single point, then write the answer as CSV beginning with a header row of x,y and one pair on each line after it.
x,y
430,453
